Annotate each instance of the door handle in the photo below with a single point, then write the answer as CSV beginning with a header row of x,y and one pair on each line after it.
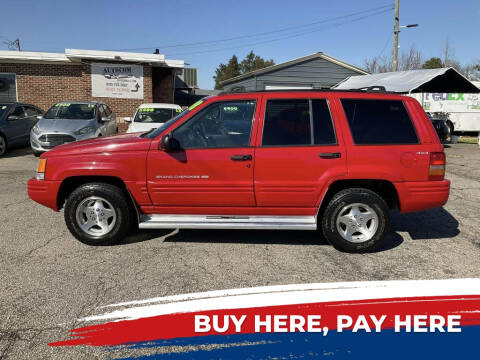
x,y
241,157
335,155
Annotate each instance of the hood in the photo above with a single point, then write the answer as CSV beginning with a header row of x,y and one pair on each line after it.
x,y
142,127
63,125
110,144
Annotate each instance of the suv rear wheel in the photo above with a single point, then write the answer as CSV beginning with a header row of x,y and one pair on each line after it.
x,y
98,214
356,220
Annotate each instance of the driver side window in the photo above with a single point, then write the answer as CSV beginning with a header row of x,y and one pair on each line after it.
x,y
19,112
220,125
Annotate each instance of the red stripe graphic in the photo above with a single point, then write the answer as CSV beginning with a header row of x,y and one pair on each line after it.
x,y
181,325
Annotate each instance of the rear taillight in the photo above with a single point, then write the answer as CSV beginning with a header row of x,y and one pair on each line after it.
x,y
437,166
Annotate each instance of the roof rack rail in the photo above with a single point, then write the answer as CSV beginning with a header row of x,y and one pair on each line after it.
x,y
376,89
373,88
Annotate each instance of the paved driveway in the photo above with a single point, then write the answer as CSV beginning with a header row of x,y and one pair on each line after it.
x,y
48,279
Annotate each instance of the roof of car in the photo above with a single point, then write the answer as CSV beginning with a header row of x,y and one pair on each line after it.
x,y
16,103
159,105
80,102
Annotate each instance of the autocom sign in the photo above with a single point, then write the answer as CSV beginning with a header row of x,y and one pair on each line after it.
x,y
117,81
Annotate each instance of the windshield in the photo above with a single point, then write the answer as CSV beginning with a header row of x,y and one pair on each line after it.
x,y
154,115
154,133
3,109
71,111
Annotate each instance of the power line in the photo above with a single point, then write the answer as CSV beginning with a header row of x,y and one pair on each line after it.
x,y
283,37
386,44
286,29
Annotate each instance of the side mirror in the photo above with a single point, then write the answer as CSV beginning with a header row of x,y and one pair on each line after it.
x,y
12,118
104,119
169,143
127,119
39,117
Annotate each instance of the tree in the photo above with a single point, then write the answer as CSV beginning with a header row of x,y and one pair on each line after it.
x,y
254,62
409,60
449,59
433,63
225,72
233,68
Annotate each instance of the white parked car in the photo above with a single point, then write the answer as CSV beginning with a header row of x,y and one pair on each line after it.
x,y
151,116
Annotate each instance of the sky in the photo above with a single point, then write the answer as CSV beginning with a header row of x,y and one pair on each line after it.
x,y
206,33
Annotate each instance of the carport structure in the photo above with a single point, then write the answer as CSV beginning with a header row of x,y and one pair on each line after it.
x,y
443,80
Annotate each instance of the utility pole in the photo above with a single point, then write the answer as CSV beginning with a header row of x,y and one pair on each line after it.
x,y
17,43
395,33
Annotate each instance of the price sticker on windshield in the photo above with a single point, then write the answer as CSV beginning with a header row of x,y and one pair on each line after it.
x,y
199,102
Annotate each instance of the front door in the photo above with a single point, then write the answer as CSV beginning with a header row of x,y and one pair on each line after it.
x,y
214,167
297,154
16,126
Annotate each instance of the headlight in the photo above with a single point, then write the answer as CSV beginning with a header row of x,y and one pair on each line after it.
x,y
35,130
85,130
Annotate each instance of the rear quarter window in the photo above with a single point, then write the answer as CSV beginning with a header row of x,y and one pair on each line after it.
x,y
378,122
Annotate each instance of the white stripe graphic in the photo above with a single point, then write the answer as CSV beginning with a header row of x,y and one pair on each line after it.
x,y
286,295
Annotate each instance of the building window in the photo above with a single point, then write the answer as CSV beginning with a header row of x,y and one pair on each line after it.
x,y
8,87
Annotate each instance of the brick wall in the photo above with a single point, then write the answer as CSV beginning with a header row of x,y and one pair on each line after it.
x,y
46,84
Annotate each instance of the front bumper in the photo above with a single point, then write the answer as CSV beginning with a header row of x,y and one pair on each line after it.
x,y
422,195
44,192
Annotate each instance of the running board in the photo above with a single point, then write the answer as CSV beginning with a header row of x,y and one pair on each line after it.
x,y
157,221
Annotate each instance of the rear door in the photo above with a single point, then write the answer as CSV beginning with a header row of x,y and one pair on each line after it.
x,y
31,117
214,166
298,152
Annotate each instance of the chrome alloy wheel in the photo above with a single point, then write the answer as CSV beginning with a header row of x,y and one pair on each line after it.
x,y
3,145
357,223
96,216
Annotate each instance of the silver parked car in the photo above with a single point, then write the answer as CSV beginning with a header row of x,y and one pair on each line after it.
x,y
70,121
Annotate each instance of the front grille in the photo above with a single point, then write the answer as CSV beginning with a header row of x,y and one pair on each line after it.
x,y
56,139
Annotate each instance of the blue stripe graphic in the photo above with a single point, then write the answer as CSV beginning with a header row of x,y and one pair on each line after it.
x,y
347,345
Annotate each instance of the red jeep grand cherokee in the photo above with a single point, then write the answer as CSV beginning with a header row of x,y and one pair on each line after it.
x,y
264,160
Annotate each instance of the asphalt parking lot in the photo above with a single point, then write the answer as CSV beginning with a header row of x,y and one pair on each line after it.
x,y
48,279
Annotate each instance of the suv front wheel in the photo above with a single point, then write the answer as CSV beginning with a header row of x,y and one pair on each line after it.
x,y
356,220
98,214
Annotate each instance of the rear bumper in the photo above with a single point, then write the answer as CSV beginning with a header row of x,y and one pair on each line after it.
x,y
422,195
44,192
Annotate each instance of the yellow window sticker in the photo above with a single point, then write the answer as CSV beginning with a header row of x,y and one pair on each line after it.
x,y
199,102
4,107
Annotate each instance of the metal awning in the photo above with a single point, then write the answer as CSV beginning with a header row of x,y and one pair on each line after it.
x,y
443,80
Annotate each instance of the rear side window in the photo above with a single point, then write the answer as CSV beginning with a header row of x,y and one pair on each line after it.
x,y
374,122
298,122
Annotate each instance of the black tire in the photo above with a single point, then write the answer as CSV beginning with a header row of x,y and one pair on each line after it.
x,y
116,197
342,200
450,131
3,145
